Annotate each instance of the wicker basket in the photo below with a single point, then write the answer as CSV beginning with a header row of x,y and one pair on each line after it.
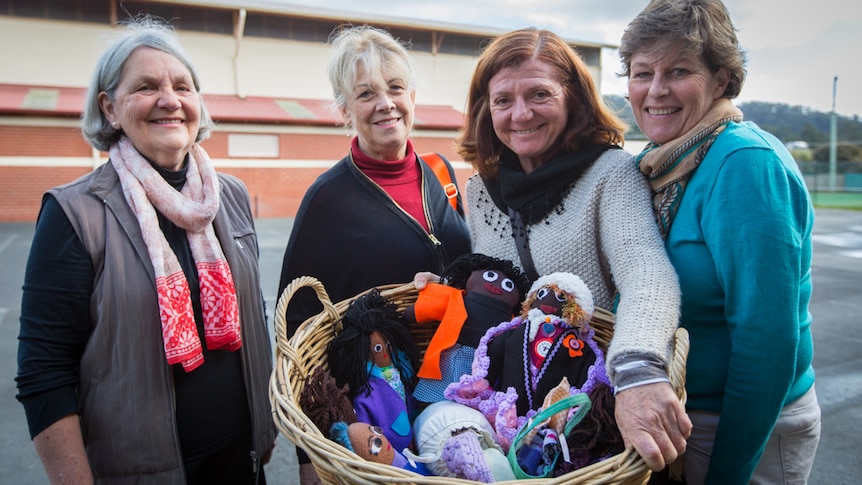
x,y
297,358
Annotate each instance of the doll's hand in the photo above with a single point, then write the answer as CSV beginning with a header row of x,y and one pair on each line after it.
x,y
423,278
653,421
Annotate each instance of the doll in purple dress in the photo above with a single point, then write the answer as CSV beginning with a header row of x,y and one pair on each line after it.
x,y
375,355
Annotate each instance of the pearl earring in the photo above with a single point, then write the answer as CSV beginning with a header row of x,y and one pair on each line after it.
x,y
115,125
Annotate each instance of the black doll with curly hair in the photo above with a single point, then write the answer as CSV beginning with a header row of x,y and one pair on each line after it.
x,y
459,271
476,293
375,354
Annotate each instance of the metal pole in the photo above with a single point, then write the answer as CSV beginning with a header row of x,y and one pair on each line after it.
x,y
833,136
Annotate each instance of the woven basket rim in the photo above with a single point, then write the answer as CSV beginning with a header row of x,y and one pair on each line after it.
x,y
296,358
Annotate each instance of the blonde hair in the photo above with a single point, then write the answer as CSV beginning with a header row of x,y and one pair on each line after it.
x,y
372,48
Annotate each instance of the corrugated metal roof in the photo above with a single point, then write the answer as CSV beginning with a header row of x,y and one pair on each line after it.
x,y
19,99
315,12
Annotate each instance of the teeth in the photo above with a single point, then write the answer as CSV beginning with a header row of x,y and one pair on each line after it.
x,y
166,122
525,132
665,111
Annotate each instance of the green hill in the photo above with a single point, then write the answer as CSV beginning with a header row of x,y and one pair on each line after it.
x,y
788,123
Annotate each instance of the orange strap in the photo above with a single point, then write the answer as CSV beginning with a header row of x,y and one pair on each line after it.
x,y
435,161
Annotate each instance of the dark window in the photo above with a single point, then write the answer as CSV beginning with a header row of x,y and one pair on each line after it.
x,y
293,28
196,19
417,40
80,10
466,45
590,55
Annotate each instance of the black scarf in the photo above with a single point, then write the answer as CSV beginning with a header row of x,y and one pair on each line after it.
x,y
536,194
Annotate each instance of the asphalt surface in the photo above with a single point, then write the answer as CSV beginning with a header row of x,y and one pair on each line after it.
x,y
836,306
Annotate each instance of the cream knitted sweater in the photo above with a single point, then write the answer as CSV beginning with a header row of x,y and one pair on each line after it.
x,y
603,231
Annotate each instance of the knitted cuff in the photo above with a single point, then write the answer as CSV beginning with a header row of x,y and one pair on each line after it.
x,y
632,370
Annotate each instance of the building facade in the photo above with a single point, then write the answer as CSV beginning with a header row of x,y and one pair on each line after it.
x,y
262,66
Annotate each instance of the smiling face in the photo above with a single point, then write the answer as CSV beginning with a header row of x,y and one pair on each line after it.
x,y
671,91
156,106
550,300
381,115
528,110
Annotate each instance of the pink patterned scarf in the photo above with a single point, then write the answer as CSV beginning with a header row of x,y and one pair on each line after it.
x,y
193,209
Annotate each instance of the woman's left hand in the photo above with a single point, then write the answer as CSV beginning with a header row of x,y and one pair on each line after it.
x,y
653,421
422,279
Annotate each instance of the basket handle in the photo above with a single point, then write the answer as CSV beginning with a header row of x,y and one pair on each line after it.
x,y
676,368
281,337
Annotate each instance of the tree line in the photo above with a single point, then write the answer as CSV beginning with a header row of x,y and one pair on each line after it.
x,y
788,123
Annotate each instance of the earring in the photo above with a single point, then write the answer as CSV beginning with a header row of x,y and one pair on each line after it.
x,y
114,125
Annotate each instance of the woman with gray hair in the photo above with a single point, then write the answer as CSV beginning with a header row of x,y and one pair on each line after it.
x,y
144,354
737,220
379,215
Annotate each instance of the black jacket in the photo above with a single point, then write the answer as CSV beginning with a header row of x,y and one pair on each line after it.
x,y
351,236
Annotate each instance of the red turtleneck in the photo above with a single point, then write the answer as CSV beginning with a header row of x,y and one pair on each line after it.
x,y
401,179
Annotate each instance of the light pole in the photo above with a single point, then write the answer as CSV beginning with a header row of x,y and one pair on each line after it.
x,y
833,136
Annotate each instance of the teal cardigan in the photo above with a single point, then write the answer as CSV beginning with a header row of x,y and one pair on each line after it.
x,y
741,244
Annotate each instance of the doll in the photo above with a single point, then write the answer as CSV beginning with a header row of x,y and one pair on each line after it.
x,y
324,402
371,444
476,293
455,440
375,355
520,361
329,408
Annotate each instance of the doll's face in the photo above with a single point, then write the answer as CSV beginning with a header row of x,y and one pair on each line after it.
x,y
369,443
380,350
550,300
494,284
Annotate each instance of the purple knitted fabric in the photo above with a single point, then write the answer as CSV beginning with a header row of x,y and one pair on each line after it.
x,y
463,455
500,407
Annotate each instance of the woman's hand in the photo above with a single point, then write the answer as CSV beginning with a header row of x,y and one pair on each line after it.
x,y
653,421
423,278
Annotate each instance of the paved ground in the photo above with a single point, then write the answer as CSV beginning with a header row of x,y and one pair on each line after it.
x,y
836,307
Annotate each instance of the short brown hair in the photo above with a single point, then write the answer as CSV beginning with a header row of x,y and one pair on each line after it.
x,y
699,27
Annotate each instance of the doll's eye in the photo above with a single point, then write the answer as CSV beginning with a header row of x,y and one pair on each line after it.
x,y
561,297
376,430
507,285
377,348
542,293
490,275
376,444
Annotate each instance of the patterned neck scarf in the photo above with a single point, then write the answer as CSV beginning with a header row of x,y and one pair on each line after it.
x,y
668,167
193,209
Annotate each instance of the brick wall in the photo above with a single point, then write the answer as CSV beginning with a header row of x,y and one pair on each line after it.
x,y
274,192
42,141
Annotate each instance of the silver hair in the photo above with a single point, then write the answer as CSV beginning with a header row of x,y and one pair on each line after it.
x,y
142,31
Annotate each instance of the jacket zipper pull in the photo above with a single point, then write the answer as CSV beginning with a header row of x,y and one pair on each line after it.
x,y
434,240
255,463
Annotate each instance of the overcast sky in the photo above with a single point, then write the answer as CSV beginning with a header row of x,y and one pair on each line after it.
x,y
795,47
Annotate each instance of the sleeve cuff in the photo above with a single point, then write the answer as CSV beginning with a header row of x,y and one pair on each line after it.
x,y
632,370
